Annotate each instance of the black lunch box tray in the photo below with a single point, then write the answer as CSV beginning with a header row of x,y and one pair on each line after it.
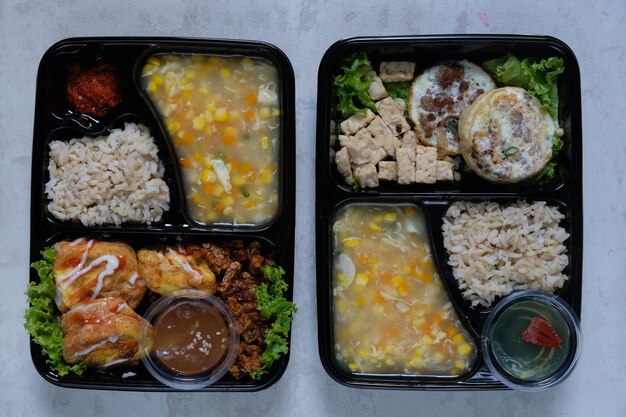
x,y
54,119
332,191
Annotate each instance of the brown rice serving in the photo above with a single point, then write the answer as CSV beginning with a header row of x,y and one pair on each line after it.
x,y
494,250
107,179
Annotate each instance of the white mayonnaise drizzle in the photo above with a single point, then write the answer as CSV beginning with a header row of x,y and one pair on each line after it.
x,y
183,263
84,352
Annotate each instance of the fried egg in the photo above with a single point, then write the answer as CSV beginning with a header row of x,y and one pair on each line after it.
x,y
506,135
437,98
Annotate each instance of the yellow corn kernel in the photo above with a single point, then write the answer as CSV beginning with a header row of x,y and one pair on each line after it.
x,y
190,74
372,261
152,87
378,218
464,349
238,180
351,243
427,340
397,280
158,79
373,226
247,63
146,69
275,112
196,198
458,339
389,361
403,289
439,357
228,211
172,126
208,176
221,115
390,217
211,107
459,364
361,279
265,142
154,61
225,72
228,200
359,300
419,322
203,90
266,176
264,113
406,269
198,123
353,367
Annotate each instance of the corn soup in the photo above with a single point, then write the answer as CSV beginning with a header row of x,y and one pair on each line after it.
x,y
391,313
222,114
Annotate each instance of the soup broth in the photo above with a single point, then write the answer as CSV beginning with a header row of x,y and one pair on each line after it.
x,y
223,116
392,314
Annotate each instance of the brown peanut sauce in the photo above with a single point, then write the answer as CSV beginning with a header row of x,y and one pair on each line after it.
x,y
190,337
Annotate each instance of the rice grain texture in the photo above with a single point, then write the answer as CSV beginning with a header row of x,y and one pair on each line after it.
x,y
107,179
494,250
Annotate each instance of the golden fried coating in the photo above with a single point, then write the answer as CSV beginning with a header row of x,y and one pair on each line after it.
x,y
172,268
89,269
102,333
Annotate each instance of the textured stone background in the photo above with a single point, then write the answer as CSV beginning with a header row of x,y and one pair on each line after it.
x,y
304,29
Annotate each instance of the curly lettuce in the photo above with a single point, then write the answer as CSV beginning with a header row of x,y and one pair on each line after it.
x,y
351,86
41,319
273,305
538,78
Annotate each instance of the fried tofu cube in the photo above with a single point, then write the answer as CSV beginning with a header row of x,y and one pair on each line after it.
x,y
392,115
383,136
425,164
342,160
376,89
355,122
387,171
367,175
405,158
445,171
395,71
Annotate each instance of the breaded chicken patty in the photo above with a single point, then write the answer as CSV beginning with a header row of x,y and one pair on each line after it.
x,y
89,269
167,269
102,333
506,135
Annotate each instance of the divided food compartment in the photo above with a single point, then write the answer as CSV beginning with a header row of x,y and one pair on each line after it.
x,y
56,119
332,192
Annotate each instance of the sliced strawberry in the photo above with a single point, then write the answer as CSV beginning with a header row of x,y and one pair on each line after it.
x,y
541,333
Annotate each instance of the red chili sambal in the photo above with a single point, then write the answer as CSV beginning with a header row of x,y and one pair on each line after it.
x,y
93,90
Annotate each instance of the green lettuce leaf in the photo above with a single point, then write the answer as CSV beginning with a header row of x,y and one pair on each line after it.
x,y
41,319
538,78
400,89
547,174
273,305
351,86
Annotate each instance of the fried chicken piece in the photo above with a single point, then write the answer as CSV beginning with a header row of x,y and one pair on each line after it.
x,y
168,269
248,360
102,333
89,269
217,258
252,327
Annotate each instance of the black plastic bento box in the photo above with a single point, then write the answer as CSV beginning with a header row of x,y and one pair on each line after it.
x,y
332,192
55,119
